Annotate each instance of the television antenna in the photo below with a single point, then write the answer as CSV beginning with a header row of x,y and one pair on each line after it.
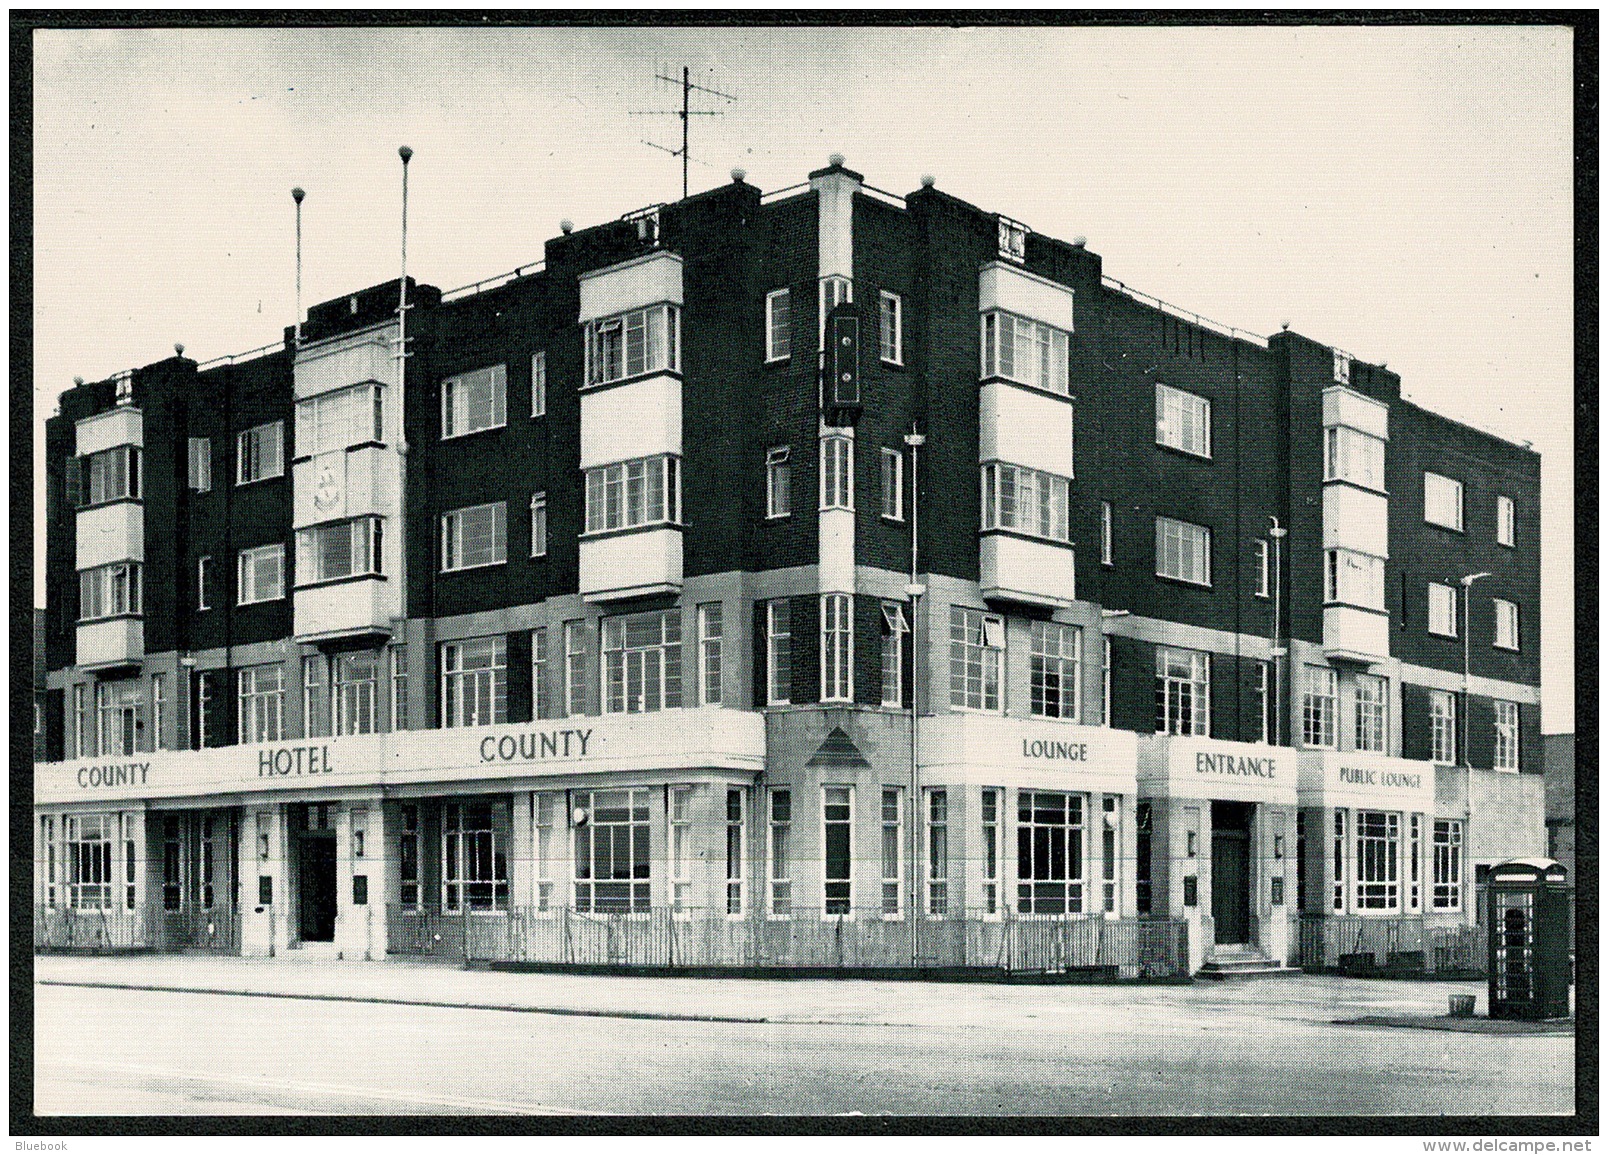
x,y
686,112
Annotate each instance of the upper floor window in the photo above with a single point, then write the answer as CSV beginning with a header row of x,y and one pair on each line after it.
x,y
203,583
837,648
262,703
1443,610
1056,663
1105,533
1025,500
200,464
646,491
474,401
261,574
1506,521
538,524
834,291
474,536
1507,624
642,662
893,484
260,453
1354,456
340,418
1183,421
778,652
631,344
1442,726
976,659
894,628
109,590
114,474
1443,501
837,472
338,549
1183,551
778,482
891,329
1506,753
474,682
1261,590
1371,717
538,384
1355,579
1183,691
1320,703
1342,368
1012,239
778,325
1024,351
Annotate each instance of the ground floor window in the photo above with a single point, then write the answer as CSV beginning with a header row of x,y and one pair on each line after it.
x,y
1108,853
991,851
1049,852
1142,828
735,824
87,841
1378,851
611,852
837,815
474,857
938,853
1448,876
408,856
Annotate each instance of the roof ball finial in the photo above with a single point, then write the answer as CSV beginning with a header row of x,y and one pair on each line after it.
x,y
178,348
296,194
566,226
835,160
405,153
738,175
928,180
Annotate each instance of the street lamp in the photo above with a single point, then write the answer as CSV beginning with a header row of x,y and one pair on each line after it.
x,y
1467,582
1276,651
915,589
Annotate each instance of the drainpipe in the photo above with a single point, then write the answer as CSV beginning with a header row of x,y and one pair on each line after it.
x,y
915,589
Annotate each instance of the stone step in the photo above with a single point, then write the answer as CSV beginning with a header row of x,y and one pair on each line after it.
x,y
1245,967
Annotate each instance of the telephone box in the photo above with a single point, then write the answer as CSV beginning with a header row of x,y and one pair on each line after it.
x,y
1527,901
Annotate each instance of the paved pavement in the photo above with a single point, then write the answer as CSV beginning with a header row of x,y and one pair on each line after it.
x,y
387,1038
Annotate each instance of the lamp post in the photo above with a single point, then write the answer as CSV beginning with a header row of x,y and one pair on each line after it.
x,y
915,589
1467,582
1277,650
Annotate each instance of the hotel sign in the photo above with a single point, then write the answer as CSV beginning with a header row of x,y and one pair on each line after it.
x,y
1349,778
667,740
998,751
1187,767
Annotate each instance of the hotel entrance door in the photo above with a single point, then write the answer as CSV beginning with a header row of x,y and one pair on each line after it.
x,y
315,872
1231,872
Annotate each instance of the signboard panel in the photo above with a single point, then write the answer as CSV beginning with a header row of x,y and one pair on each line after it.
x,y
1342,778
1184,767
1042,754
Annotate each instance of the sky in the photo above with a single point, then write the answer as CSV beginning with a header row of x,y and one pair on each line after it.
x,y
1404,193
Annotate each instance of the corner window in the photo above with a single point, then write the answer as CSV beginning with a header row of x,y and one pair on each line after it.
x,y
834,291
778,482
339,419
1507,624
261,574
260,453
632,344
893,484
1183,421
474,536
538,524
1026,500
338,549
891,329
538,384
1183,551
837,472
474,401
837,648
1506,531
1443,610
1443,501
1026,352
627,494
778,325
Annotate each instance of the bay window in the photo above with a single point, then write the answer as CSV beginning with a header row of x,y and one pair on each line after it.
x,y
611,852
110,590
339,419
1049,852
1025,500
1354,456
338,549
1027,352
627,494
1378,855
1355,579
632,344
114,474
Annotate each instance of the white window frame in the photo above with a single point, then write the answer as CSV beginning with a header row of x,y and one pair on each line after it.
x,y
1264,700
643,491
453,524
488,680
1443,727
892,484
711,639
1050,663
631,330
1507,520
1105,534
894,628
1371,714
339,419
831,291
1439,491
644,677
890,313
248,575
1027,501
459,402
1446,879
937,852
1184,421
1378,859
473,859
203,574
317,707
111,591
1012,240
364,545
356,700
200,463
778,481
1105,683
252,463
538,524
1025,351
890,851
1171,685
779,867
1263,586
679,808
538,383
1342,368
1353,456
976,661
1353,578
575,680
1320,707
778,325
1172,537
158,708
1073,831
398,655
1505,624
120,716
837,472
262,703
993,849
833,906
1505,745
1442,620
736,851
83,732
636,894
837,648
778,652
115,474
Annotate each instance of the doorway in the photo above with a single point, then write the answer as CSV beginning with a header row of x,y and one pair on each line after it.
x,y
1231,872
315,871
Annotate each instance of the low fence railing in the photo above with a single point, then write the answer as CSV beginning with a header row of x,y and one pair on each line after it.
x,y
1124,948
216,930
1406,944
